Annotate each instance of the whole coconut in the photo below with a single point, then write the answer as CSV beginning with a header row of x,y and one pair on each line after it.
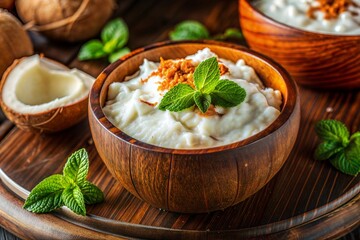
x,y
8,4
67,20
14,41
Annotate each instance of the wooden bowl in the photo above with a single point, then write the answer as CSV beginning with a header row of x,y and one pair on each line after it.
x,y
313,59
195,181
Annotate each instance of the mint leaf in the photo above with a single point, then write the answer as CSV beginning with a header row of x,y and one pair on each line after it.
x,y
189,30
355,138
202,101
227,94
116,33
327,149
118,54
230,33
46,196
77,166
74,200
206,74
347,161
93,49
92,194
178,98
332,130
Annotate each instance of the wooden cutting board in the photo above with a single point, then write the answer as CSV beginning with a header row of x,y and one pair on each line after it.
x,y
305,199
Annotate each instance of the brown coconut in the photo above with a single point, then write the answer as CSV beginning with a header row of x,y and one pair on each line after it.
x,y
29,100
7,4
14,41
66,20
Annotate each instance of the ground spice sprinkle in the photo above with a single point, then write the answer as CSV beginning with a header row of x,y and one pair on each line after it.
x,y
331,8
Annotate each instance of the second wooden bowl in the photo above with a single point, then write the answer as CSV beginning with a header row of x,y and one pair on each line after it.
x,y
195,181
313,59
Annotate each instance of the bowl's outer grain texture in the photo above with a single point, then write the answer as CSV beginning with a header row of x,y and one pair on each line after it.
x,y
194,181
313,59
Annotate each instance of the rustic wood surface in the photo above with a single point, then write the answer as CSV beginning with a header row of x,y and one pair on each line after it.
x,y
311,197
318,60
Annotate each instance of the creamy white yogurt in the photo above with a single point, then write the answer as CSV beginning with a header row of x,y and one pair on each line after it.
x,y
126,109
294,13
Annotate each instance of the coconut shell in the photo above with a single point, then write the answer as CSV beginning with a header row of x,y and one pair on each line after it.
x,y
14,41
7,4
50,121
66,20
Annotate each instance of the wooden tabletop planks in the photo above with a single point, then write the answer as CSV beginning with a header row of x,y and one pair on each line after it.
x,y
303,190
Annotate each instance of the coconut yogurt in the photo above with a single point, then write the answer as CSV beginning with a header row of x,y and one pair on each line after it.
x,y
306,15
132,107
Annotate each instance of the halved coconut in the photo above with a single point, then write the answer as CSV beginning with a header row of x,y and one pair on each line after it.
x,y
40,94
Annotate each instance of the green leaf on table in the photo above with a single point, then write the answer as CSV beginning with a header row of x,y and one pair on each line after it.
x,y
332,130
77,166
347,161
118,54
178,98
327,149
70,189
93,49
355,138
206,75
115,34
73,199
202,101
230,33
92,194
227,94
46,196
189,30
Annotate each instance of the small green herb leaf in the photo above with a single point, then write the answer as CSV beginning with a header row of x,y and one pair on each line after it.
x,y
347,161
118,54
355,138
332,130
77,166
74,200
206,75
91,50
231,33
46,196
116,33
189,30
70,189
202,101
178,98
92,194
227,94
327,149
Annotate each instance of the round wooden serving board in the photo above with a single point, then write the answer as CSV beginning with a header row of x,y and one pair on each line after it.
x,y
306,199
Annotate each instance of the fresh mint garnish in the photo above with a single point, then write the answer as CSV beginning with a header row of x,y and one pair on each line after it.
x,y
194,30
114,36
70,189
338,146
189,30
209,89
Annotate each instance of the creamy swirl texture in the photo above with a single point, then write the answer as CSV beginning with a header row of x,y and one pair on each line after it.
x,y
132,107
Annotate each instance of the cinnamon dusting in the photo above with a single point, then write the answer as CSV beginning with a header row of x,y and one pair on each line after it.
x,y
331,8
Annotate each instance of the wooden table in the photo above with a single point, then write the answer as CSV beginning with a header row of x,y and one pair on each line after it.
x,y
306,199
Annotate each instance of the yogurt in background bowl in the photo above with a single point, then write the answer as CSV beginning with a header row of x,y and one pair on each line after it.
x,y
132,107
295,13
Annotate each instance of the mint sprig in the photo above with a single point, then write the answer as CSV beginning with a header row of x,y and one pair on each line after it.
x,y
341,149
194,30
70,189
114,37
209,89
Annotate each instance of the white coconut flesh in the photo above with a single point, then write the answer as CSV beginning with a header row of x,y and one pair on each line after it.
x,y
37,85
